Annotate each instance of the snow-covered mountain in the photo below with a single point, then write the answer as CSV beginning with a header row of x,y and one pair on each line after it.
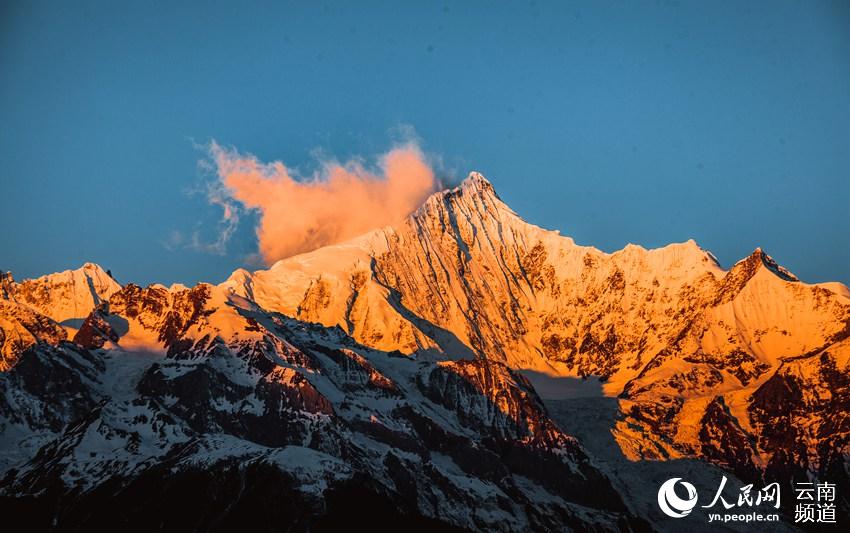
x,y
65,297
263,419
699,356
391,364
49,308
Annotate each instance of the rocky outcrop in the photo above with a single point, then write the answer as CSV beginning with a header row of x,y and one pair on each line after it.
x,y
251,400
489,393
21,328
96,329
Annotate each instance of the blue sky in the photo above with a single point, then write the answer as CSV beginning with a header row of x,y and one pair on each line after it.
x,y
615,122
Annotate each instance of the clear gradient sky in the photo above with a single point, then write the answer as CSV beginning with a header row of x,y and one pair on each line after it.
x,y
614,122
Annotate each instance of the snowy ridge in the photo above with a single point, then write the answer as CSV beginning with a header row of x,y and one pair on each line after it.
x,y
65,297
464,267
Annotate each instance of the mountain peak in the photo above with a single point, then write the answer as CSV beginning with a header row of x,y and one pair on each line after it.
x,y
474,189
475,183
476,180
746,268
66,295
474,200
93,267
89,273
772,265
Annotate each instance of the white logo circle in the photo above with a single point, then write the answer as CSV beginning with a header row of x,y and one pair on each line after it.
x,y
671,504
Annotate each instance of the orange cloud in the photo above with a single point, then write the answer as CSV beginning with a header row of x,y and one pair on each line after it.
x,y
339,202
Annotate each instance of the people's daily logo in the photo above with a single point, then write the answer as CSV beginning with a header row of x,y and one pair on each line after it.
x,y
816,502
671,504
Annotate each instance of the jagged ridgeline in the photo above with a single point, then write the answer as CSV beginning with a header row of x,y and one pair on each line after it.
x,y
383,373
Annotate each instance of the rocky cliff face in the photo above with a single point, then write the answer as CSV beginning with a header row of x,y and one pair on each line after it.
x,y
48,309
200,391
20,328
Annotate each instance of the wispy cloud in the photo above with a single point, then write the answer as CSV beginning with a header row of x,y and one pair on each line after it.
x,y
301,213
216,195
